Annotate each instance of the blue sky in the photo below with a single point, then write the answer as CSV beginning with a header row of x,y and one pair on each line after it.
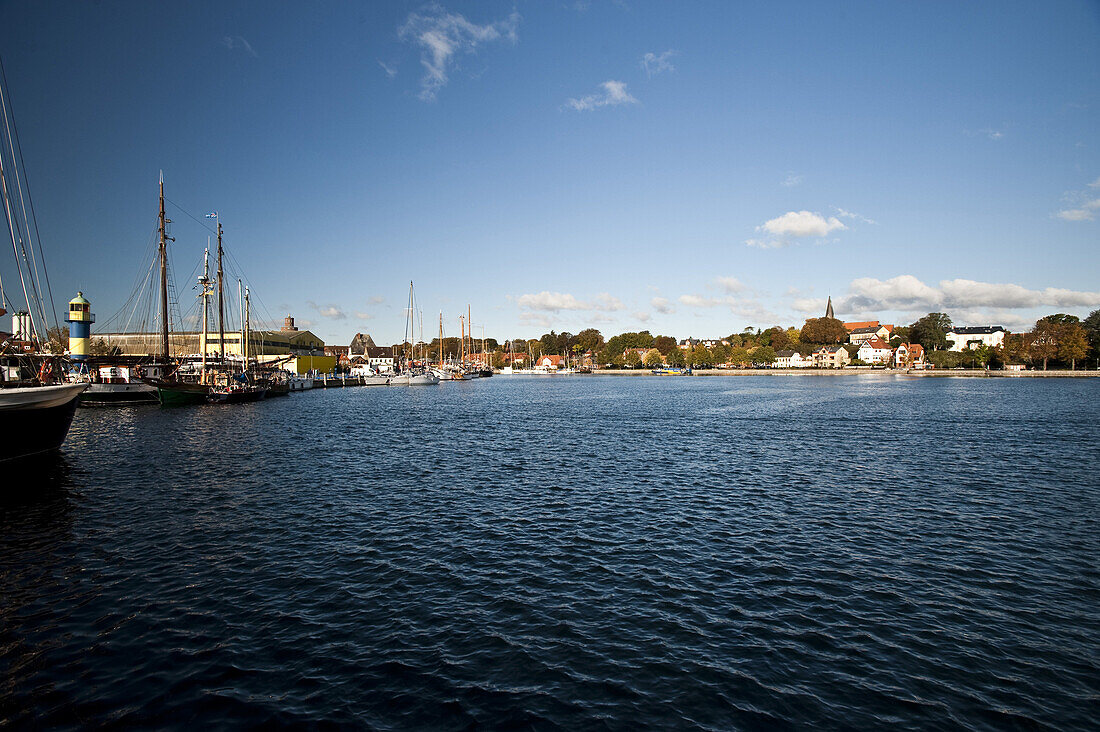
x,y
687,168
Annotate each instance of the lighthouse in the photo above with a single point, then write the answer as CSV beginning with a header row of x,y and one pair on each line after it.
x,y
80,326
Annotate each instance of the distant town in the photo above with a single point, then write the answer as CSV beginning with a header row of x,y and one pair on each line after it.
x,y
932,342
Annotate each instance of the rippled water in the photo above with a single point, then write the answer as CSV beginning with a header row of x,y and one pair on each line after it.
x,y
575,552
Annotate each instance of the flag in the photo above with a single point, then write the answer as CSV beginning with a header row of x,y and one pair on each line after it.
x,y
212,215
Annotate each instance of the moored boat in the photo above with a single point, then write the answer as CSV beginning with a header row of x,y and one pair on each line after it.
x,y
36,419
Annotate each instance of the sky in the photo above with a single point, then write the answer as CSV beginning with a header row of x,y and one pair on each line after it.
x,y
687,168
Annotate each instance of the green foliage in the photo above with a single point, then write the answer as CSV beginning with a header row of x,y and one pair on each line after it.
x,y
665,344
721,353
764,354
701,357
931,332
589,339
653,358
943,359
823,331
778,339
1073,344
676,358
623,341
631,359
740,357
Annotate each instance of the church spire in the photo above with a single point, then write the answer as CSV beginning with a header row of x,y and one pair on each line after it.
x,y
829,309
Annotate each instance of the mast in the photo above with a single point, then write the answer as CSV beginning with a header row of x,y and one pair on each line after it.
x,y
162,252
240,300
441,339
247,325
470,323
221,296
204,284
462,342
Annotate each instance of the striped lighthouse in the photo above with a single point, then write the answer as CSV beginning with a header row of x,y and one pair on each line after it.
x,y
80,326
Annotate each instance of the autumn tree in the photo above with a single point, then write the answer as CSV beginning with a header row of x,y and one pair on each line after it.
x,y
1072,344
740,356
631,359
764,354
780,341
676,358
823,331
701,356
1043,341
665,344
653,358
931,331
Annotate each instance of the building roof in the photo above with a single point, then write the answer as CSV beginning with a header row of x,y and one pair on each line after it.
x,y
785,354
877,343
976,330
868,329
862,324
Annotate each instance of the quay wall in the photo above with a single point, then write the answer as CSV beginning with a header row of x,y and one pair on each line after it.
x,y
931,373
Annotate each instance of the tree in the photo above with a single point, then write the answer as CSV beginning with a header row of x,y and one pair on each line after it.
x,y
794,336
780,341
1043,341
676,358
823,331
1072,344
589,339
499,360
931,331
701,356
57,339
665,344
1091,325
721,353
631,359
653,358
740,356
764,354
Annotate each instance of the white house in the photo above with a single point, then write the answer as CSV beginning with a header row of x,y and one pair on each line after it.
x,y
972,337
792,360
831,357
875,350
909,355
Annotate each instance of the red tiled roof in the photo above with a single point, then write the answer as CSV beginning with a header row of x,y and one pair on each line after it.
x,y
861,324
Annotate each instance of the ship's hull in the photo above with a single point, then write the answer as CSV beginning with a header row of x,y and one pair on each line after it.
x,y
240,396
180,393
414,380
35,420
133,393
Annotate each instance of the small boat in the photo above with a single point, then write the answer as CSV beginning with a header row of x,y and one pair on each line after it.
x,y
412,378
237,394
117,385
672,371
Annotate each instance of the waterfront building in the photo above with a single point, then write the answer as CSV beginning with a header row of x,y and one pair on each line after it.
x,y
831,357
909,355
861,332
380,357
550,362
875,350
792,360
962,338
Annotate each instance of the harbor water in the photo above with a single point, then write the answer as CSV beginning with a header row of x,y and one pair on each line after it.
x,y
754,552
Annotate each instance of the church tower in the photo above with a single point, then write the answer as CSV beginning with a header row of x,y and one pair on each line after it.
x,y
829,309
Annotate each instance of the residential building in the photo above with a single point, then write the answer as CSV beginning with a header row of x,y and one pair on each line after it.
x,y
875,351
831,357
551,363
909,355
792,360
973,336
859,336
688,343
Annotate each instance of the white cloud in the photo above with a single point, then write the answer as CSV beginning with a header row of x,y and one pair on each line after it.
x,y
801,223
553,302
992,134
391,71
1095,183
328,311
906,293
604,301
232,42
655,63
849,215
442,36
729,284
662,305
792,180
698,301
377,300
1086,212
364,316
614,93
643,317
766,243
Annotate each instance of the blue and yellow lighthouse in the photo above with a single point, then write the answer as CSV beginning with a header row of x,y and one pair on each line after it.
x,y
80,326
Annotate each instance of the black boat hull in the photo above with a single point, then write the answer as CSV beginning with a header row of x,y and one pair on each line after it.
x,y
33,430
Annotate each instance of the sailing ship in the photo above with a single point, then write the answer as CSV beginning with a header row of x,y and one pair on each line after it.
x,y
36,409
412,373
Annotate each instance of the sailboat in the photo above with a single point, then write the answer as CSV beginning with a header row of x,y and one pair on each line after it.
x,y
171,389
36,409
412,374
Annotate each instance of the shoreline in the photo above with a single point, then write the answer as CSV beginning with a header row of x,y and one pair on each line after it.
x,y
931,373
